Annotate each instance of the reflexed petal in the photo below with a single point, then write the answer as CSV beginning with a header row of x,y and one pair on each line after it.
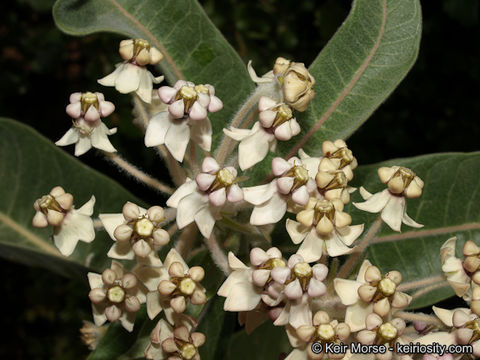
x,y
201,133
186,189
121,251
99,317
110,222
347,290
356,315
242,297
393,212
375,203
444,315
300,313
157,129
253,149
297,354
154,305
235,277
238,134
364,193
145,87
269,212
335,245
176,139
70,137
110,79
297,231
257,195
188,207
83,145
409,221
128,79
174,256
100,139
94,280
350,233
312,247
205,221
235,263
87,208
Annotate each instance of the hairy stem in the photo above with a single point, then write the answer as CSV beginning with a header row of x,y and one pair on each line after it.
x,y
428,319
185,242
137,174
347,268
218,256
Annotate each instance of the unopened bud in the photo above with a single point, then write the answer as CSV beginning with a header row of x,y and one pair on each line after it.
x,y
169,346
54,218
366,337
343,331
160,237
305,332
471,264
382,307
166,287
113,313
196,273
141,248
109,276
132,304
321,317
130,211
373,274
198,339
97,295
366,292
401,300
123,232
129,281
395,276
198,297
156,214
470,248
176,270
178,304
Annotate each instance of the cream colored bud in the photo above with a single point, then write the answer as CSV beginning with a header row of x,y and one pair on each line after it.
x,y
39,220
401,300
198,339
396,185
57,191
470,248
155,56
130,211
382,307
123,233
386,173
96,295
476,277
342,219
471,264
113,313
395,276
302,270
109,276
198,297
160,237
156,214
305,217
321,317
343,331
132,304
176,270
169,346
143,57
475,307
297,87
166,287
373,274
141,248
323,178
65,201
126,49
413,190
324,226
129,281
182,333
366,292
373,321
366,337
196,273
178,304
281,65
476,293
305,332
54,218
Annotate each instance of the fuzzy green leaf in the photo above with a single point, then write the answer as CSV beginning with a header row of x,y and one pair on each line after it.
x,y
30,167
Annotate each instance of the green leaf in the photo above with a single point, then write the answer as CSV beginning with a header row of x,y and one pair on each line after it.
x,y
194,49
30,167
358,69
449,206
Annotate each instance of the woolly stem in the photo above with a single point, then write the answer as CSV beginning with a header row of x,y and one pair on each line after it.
x,y
218,256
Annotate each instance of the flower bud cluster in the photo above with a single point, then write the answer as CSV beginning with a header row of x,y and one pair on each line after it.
x,y
52,208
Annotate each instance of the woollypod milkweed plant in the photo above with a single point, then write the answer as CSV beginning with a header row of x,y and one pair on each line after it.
x,y
270,216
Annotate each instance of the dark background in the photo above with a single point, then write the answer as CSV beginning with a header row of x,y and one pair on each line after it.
x,y
435,109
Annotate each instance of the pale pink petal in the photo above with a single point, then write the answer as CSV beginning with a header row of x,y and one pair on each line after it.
x,y
294,127
177,109
75,97
265,103
215,104
167,94
197,112
205,180
210,165
316,288
281,274
203,99
301,195
320,272
283,132
156,129
218,197
280,166
269,212
92,114
234,193
74,110
106,108
285,184
293,290
267,117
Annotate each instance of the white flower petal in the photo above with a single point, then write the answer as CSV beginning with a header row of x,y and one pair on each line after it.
x,y
157,129
174,256
297,354
242,297
356,315
253,149
364,193
205,221
269,212
296,230
100,139
312,247
347,290
145,86
201,133
237,134
70,137
350,233
127,319
98,311
74,110
121,251
186,189
95,280
110,222
257,195
409,221
75,227
235,277
393,212
176,139
154,305
109,80
255,78
300,312
235,263
83,145
375,203
128,79
188,207
335,245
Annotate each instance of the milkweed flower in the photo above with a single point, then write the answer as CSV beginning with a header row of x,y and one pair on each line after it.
x,y
87,131
132,75
401,183
69,224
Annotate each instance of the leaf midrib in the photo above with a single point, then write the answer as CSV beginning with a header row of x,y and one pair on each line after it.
x,y
347,90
